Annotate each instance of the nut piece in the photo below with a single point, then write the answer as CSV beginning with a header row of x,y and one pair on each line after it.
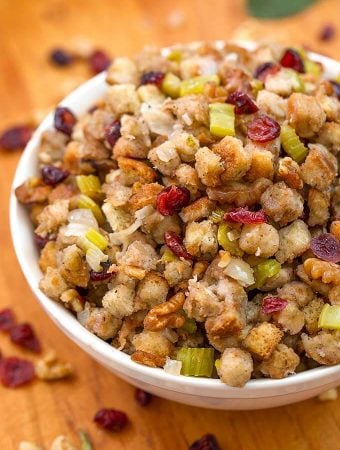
x,y
326,271
148,359
62,443
49,368
263,339
24,445
335,228
165,315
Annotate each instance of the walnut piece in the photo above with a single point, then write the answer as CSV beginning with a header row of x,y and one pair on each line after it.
x,y
166,314
326,271
49,368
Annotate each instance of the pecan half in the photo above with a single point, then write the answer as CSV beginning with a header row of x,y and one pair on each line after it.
x,y
148,359
326,271
166,314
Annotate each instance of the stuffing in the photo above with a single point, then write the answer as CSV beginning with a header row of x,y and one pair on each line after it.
x,y
284,276
329,136
144,195
262,162
320,168
100,322
51,217
139,254
296,291
123,98
52,146
73,267
262,239
186,145
335,203
294,241
318,204
330,106
32,191
312,312
209,166
52,283
156,225
305,114
165,158
263,340
189,110
317,286
151,291
334,295
201,239
117,217
282,203
324,347
153,342
201,301
290,319
119,301
187,176
149,93
117,194
282,362
177,271
159,121
272,104
283,83
122,71
136,171
199,209
235,158
236,366
240,194
289,171
48,256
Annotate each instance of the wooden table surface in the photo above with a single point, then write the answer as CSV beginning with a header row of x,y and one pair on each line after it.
x,y
29,85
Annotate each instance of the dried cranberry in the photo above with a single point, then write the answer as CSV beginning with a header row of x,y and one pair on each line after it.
x,y
103,275
175,244
263,129
52,175
207,442
7,319
111,419
40,241
152,78
64,120
172,199
15,371
243,215
327,32
15,137
265,69
326,247
99,61
243,103
336,88
292,59
273,304
60,57
142,397
24,335
112,133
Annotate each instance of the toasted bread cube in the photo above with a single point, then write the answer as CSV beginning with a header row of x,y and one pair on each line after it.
x,y
262,340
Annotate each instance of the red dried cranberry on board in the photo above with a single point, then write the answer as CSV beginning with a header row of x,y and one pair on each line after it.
x,y
111,419
206,442
15,372
327,32
243,103
61,57
152,78
24,335
64,120
263,129
7,319
292,60
15,138
143,397
273,304
243,215
175,244
172,199
52,175
326,247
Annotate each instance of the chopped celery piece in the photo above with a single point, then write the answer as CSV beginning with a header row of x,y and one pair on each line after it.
x,y
168,256
171,85
312,67
329,318
337,79
196,85
197,362
96,238
189,326
175,55
225,242
85,441
85,244
264,270
256,85
217,215
291,143
222,119
89,185
86,202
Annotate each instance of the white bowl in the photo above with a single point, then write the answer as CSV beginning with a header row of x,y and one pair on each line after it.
x,y
208,393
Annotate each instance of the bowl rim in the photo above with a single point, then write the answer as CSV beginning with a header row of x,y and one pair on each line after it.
x,y
80,335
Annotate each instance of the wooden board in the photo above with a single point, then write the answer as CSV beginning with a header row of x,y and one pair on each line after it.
x,y
29,84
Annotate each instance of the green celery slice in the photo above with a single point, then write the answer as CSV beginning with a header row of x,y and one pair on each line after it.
x,y
196,85
197,362
291,143
329,318
96,238
225,242
222,119
264,270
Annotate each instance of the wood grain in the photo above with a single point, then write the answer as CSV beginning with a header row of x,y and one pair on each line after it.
x,y
40,412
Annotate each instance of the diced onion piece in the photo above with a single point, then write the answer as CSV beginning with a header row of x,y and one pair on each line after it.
x,y
266,269
225,259
197,362
172,366
222,119
313,67
94,257
89,185
119,237
171,85
240,271
329,318
168,256
97,238
83,216
76,229
291,143
86,202
196,85
144,212
225,242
